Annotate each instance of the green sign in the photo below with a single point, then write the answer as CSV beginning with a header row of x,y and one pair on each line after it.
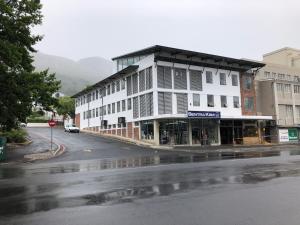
x,y
293,134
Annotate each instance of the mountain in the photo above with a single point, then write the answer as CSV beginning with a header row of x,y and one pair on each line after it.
x,y
74,75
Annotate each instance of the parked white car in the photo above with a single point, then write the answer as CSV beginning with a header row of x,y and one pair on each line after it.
x,y
71,128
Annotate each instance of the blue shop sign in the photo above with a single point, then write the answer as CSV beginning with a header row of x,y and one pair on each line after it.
x,y
203,114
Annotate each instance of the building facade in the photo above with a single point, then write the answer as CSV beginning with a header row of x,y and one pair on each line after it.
x,y
278,85
169,96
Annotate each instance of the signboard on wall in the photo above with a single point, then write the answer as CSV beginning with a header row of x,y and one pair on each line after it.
x,y
293,134
203,114
283,135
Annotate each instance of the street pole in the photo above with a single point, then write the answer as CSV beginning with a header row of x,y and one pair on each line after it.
x,y
51,138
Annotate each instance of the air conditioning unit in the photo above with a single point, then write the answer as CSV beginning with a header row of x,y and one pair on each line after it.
x,y
210,105
225,105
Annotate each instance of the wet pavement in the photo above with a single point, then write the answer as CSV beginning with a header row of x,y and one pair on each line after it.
x,y
155,189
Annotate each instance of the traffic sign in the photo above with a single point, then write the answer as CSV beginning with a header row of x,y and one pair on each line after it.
x,y
51,123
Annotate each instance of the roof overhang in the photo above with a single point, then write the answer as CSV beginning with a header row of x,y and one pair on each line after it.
x,y
127,70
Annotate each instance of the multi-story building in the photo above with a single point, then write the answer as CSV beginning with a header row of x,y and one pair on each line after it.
x,y
169,96
278,85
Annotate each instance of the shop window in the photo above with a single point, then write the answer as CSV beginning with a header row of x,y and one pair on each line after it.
x,y
182,103
209,77
180,80
210,101
249,104
205,131
129,104
196,100
164,77
195,80
147,130
164,103
236,102
173,132
223,101
222,79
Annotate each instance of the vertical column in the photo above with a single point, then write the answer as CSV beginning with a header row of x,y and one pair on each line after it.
x,y
190,132
156,132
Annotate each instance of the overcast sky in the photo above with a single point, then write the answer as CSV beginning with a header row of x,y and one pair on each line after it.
x,y
108,28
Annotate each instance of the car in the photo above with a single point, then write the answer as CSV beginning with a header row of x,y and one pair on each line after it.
x,y
71,128
23,125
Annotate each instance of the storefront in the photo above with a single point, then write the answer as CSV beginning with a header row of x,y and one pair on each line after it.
x,y
288,135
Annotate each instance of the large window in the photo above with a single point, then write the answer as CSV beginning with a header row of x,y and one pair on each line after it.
x,y
135,107
248,82
164,77
118,106
142,80
146,105
113,87
210,101
209,77
164,103
123,83
297,89
180,81
149,78
129,104
195,80
223,101
108,109
182,103
222,79
113,107
118,85
234,80
173,132
129,86
249,104
196,100
108,89
135,88
123,105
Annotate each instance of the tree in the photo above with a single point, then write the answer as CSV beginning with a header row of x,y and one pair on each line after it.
x,y
20,86
66,107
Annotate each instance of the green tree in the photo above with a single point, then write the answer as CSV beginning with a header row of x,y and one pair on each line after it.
x,y
20,86
66,107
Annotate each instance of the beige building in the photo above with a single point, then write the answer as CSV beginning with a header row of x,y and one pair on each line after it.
x,y
278,93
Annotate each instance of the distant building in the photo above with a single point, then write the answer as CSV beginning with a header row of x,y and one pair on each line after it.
x,y
169,96
278,85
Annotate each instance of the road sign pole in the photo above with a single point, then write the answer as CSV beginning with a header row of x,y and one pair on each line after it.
x,y
51,138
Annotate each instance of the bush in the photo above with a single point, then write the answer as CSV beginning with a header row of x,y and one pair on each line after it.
x,y
15,135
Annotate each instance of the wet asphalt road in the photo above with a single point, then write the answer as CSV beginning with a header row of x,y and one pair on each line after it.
x,y
143,189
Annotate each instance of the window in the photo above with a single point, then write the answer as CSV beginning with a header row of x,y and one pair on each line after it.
x,y
196,100
180,81
209,77
93,115
287,88
129,86
108,89
247,83
97,92
281,76
135,107
249,104
146,105
223,101
97,113
123,105
118,85
267,75
113,108
135,88
123,83
222,79
234,80
104,110
102,92
118,106
147,130
129,104
149,78
142,105
164,77
280,87
273,75
164,103
182,103
93,98
108,109
297,89
289,111
298,112
210,101
195,80
113,87
236,102
142,80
